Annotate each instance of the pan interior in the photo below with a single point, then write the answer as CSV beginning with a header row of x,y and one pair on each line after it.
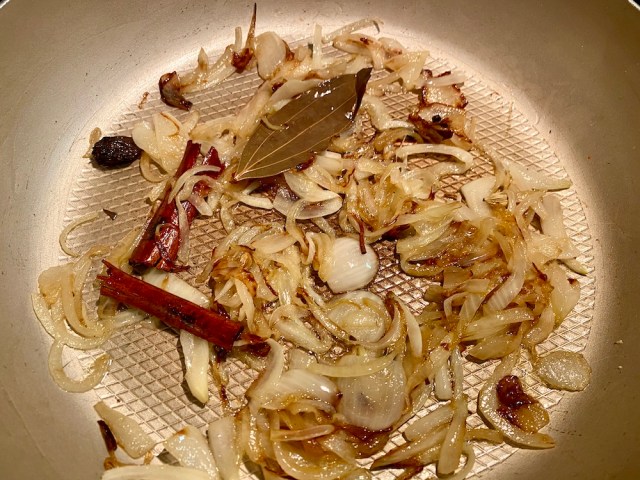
x,y
145,379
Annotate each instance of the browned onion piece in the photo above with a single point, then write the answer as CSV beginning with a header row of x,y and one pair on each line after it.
x,y
170,93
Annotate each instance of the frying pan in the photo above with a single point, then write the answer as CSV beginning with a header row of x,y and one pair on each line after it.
x,y
571,68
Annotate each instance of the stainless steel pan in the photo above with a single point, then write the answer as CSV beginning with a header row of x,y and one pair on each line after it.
x,y
571,68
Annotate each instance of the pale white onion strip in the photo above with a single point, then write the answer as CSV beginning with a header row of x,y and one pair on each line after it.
x,y
128,434
542,328
290,89
316,48
413,330
70,299
324,225
379,114
301,435
565,294
430,422
307,189
320,314
149,174
223,442
527,179
367,367
94,375
454,439
201,205
484,435
273,243
255,201
411,449
352,27
303,210
457,372
300,383
467,451
154,472
495,322
192,450
189,175
287,320
183,230
214,75
196,361
394,333
296,464
475,193
290,223
442,381
265,384
64,235
464,158
52,321
505,294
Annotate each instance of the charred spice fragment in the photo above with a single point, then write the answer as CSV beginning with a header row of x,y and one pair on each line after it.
x,y
116,151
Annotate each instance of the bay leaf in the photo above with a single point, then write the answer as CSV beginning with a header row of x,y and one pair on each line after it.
x,y
304,126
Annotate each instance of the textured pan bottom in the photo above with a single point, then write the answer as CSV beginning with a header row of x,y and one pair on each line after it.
x,y
146,376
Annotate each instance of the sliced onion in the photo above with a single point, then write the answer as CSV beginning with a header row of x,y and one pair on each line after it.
x,y
293,329
442,382
223,442
302,384
284,204
303,434
304,466
306,189
565,294
542,328
289,90
352,27
64,235
359,313
505,294
526,179
454,439
190,178
191,450
52,320
154,472
430,422
270,53
493,323
380,116
273,243
128,434
375,401
265,384
95,374
205,75
196,352
411,449
563,370
488,408
363,367
346,268
475,193
195,349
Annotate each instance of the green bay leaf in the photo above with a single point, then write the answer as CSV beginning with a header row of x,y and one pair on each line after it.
x,y
305,126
